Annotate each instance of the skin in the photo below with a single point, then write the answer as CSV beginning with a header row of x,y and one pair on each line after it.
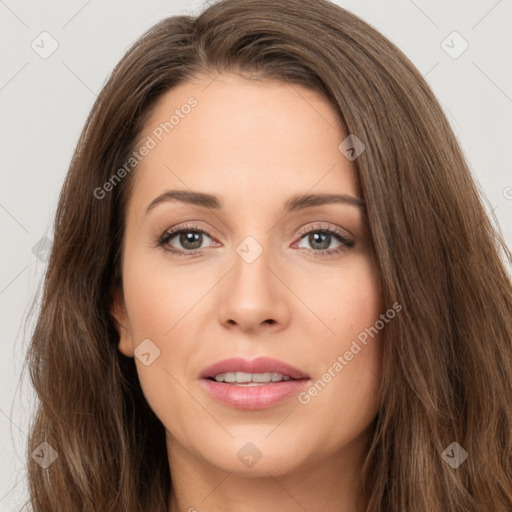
x,y
255,144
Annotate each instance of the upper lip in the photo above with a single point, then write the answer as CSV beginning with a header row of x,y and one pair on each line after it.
x,y
258,365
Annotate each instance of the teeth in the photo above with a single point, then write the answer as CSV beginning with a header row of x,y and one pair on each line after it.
x,y
250,378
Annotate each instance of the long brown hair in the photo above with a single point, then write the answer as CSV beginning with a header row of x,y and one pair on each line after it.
x,y
447,367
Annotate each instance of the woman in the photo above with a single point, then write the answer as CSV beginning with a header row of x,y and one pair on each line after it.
x,y
273,284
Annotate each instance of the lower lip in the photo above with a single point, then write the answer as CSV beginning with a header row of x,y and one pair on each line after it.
x,y
253,397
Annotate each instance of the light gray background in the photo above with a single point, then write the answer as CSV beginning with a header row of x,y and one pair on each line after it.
x,y
44,104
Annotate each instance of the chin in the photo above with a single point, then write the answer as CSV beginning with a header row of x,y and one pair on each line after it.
x,y
255,456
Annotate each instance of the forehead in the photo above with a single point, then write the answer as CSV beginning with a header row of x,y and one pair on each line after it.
x,y
242,139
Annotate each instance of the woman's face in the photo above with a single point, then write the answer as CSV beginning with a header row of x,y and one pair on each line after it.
x,y
258,271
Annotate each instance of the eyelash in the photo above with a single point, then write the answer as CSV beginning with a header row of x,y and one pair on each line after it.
x,y
171,233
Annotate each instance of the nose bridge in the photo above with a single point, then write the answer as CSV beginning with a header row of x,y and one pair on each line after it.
x,y
251,275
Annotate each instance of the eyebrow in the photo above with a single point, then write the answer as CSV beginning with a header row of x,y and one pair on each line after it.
x,y
295,203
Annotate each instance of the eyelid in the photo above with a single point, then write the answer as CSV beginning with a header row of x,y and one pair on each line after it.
x,y
184,227
345,234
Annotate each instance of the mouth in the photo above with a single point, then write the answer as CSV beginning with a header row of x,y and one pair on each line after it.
x,y
256,384
260,370
250,379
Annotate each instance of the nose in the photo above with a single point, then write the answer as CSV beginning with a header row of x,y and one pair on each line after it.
x,y
253,296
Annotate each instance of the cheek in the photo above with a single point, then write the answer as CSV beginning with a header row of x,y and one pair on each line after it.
x,y
349,300
357,338
157,297
347,376
161,305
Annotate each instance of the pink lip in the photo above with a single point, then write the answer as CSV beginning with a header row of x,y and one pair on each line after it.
x,y
253,397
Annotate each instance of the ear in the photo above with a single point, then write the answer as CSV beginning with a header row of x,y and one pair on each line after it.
x,y
120,317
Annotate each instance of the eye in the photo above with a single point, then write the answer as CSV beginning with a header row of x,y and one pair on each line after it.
x,y
321,238
190,238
